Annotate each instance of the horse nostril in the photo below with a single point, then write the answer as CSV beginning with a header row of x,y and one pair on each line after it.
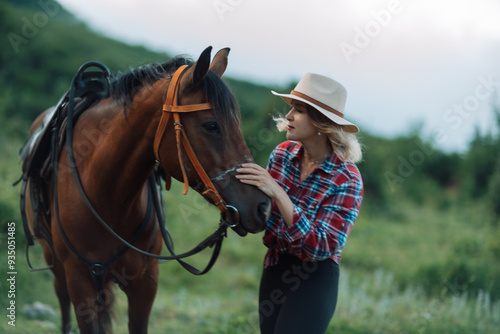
x,y
264,210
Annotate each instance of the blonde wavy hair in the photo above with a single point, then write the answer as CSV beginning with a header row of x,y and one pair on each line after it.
x,y
345,144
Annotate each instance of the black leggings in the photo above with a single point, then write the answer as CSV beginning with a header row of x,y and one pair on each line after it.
x,y
297,297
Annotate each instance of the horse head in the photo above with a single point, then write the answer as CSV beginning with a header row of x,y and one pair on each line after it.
x,y
208,145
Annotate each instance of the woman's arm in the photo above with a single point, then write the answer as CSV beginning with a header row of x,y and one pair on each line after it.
x,y
311,240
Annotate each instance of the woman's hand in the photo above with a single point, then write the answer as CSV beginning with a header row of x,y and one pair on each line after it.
x,y
253,174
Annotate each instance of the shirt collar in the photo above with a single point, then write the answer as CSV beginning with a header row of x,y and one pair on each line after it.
x,y
331,163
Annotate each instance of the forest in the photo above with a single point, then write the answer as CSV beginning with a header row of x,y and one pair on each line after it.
x,y
422,258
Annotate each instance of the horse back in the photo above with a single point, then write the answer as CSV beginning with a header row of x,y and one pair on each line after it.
x,y
42,150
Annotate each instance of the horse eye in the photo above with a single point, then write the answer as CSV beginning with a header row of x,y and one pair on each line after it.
x,y
212,127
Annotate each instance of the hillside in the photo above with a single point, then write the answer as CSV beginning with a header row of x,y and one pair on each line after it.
x,y
430,219
39,59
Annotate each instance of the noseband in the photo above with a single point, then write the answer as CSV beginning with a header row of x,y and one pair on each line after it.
x,y
171,107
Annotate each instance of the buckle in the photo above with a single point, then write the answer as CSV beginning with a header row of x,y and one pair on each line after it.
x,y
235,216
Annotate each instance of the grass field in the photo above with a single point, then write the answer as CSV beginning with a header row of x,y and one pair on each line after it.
x,y
420,271
220,303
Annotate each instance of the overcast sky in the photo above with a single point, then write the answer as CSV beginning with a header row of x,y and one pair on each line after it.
x,y
402,61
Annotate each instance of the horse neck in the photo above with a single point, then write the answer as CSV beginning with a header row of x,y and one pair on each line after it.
x,y
125,158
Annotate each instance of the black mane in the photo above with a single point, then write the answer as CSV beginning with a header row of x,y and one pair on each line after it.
x,y
126,85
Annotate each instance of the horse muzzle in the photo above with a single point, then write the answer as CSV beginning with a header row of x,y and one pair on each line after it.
x,y
245,208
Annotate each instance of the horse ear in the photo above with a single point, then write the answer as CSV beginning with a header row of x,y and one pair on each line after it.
x,y
195,74
219,63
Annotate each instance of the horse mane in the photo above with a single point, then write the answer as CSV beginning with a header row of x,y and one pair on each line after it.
x,y
124,86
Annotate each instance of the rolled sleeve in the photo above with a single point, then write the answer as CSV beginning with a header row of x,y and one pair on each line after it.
x,y
326,235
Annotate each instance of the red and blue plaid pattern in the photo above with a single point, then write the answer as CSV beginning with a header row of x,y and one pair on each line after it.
x,y
326,205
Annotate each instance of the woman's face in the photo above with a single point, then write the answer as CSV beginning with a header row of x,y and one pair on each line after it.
x,y
300,127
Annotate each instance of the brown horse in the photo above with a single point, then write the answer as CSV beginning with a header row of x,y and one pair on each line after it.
x,y
116,144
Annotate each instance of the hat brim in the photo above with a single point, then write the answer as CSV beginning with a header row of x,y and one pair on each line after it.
x,y
345,124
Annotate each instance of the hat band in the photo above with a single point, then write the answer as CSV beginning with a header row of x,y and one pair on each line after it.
x,y
320,104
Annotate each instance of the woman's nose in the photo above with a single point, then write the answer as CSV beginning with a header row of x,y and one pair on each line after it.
x,y
289,115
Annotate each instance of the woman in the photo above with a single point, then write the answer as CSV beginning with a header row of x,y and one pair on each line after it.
x,y
316,190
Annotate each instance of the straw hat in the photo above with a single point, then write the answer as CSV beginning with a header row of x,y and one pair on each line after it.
x,y
325,94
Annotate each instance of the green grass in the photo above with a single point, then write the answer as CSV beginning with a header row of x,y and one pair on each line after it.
x,y
415,270
368,304
10,171
429,248
379,289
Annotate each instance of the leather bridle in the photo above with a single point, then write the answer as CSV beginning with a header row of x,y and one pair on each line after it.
x,y
79,87
171,106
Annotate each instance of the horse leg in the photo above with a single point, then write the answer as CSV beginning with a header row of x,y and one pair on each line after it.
x,y
92,317
59,286
64,304
105,308
141,292
63,296
57,267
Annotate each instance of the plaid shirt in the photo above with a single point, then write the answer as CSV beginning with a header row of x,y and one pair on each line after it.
x,y
326,205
